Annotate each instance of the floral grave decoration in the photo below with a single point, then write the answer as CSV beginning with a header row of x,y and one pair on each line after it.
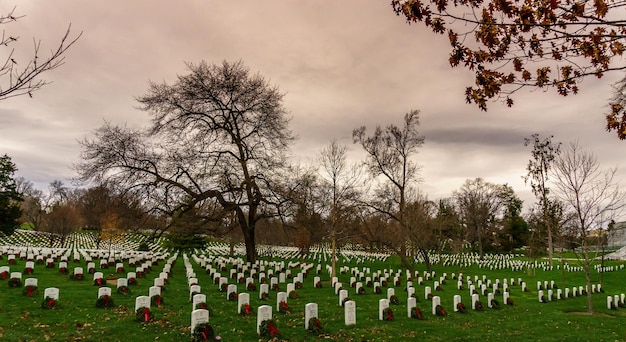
x,y
509,301
318,285
132,281
204,332
156,300
77,276
361,290
377,290
29,270
440,311
343,302
461,308
223,287
478,306
284,308
369,283
293,295
63,270
123,290
430,296
275,287
388,314
104,302
246,310
438,288
49,303
29,290
268,329
251,287
495,304
265,296
144,315
4,275
417,313
98,282
15,282
232,296
315,326
298,285
394,300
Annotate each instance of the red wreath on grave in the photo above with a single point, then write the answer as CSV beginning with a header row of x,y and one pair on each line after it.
x,y
417,313
204,332
377,290
284,308
251,287
15,282
49,304
268,328
28,270
318,285
29,290
143,314
439,311
156,300
315,326
388,314
394,300
223,287
298,285
104,301
293,294
246,310
4,275
232,296
63,270
98,282
361,290
461,308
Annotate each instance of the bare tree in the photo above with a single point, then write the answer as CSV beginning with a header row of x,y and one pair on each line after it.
x,y
21,76
342,181
479,204
218,135
591,193
389,152
543,154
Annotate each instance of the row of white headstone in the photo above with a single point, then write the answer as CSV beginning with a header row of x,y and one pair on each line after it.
x,y
615,301
563,294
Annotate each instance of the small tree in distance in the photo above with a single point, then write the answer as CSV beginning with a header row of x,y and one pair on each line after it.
x,y
591,193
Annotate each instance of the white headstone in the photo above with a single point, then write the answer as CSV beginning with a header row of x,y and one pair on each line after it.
x,y
232,288
350,312
264,288
51,292
310,311
382,305
436,302
197,299
457,300
104,291
475,299
30,282
390,292
343,294
192,289
280,297
154,291
142,302
242,299
411,302
490,299
264,313
199,316
427,291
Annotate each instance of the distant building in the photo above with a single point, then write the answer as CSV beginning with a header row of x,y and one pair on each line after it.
x,y
617,236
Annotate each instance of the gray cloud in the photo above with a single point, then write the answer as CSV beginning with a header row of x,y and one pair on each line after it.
x,y
341,65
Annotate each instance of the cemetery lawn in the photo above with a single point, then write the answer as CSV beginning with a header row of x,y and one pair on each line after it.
x,y
78,319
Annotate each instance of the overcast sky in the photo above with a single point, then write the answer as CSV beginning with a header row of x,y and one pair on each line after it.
x,y
341,64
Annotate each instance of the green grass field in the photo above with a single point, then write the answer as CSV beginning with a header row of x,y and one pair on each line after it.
x,y
78,319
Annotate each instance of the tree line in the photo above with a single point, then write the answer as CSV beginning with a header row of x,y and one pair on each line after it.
x,y
215,162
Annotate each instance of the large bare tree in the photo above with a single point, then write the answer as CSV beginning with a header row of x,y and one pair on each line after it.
x,y
389,163
21,76
591,193
219,134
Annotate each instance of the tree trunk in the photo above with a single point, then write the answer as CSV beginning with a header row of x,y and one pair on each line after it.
x,y
550,245
249,239
424,253
333,248
587,268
